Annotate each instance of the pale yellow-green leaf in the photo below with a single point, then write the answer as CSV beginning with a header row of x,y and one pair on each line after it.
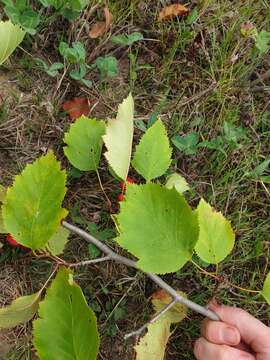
x,y
118,138
58,241
153,345
266,289
20,311
178,182
216,236
176,313
10,37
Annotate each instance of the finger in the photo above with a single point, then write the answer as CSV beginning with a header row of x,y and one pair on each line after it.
x,y
220,333
204,350
253,332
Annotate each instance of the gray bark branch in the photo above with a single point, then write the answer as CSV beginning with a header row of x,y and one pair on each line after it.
x,y
161,283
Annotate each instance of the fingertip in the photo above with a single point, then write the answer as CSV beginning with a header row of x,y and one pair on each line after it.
x,y
220,333
198,348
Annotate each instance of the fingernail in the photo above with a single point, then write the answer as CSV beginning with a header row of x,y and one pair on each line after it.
x,y
230,336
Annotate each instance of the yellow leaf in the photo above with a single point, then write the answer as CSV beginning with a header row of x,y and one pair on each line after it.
x,y
176,313
152,346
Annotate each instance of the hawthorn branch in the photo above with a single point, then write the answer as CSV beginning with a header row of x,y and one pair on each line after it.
x,y
90,262
154,319
128,262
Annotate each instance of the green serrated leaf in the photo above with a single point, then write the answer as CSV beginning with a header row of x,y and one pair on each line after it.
x,y
119,137
13,36
20,311
153,154
67,327
84,143
178,182
58,241
216,236
127,40
266,289
158,226
32,209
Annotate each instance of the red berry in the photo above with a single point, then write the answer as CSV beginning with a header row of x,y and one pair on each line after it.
x,y
10,239
123,185
120,197
130,180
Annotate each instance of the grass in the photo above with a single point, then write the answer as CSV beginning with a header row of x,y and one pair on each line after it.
x,y
195,77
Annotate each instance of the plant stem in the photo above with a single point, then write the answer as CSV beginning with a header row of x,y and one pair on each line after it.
x,y
217,278
90,262
161,283
154,319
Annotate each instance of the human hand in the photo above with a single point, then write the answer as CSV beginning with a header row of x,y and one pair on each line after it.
x,y
239,336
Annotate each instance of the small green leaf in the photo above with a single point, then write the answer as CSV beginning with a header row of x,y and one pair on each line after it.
x,y
266,289
107,66
32,210
192,17
119,137
20,311
13,36
157,226
262,41
153,154
178,182
84,143
67,327
216,236
261,168
127,40
58,241
187,144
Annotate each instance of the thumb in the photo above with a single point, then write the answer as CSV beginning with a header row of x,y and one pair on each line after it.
x,y
253,332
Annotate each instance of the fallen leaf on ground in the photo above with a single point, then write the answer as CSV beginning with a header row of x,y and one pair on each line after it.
x,y
171,11
76,107
101,27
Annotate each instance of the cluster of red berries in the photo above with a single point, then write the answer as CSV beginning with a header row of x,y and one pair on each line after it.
x,y
121,196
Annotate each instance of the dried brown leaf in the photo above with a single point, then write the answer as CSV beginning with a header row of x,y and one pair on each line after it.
x,y
171,11
76,107
101,27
